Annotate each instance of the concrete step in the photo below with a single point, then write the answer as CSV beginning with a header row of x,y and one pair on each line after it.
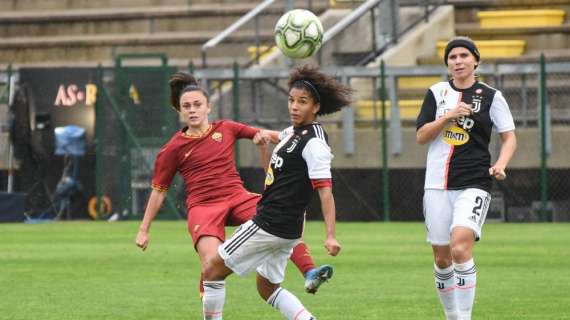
x,y
26,5
536,38
99,48
492,48
520,18
368,109
135,20
466,10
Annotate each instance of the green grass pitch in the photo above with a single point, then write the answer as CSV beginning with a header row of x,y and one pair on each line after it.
x,y
92,270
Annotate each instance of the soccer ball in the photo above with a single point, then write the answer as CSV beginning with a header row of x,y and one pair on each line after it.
x,y
298,33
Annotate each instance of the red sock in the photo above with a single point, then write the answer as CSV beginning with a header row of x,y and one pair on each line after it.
x,y
302,258
201,285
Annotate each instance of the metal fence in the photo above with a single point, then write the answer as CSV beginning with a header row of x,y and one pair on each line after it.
x,y
378,168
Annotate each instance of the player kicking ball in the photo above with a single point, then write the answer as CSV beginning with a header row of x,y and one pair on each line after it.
x,y
300,165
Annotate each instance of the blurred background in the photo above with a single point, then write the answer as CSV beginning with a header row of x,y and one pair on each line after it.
x,y
98,71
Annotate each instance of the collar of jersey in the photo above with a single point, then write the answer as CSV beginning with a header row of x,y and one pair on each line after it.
x,y
460,90
304,126
194,136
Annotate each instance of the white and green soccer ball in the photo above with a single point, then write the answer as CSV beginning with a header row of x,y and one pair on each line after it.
x,y
298,33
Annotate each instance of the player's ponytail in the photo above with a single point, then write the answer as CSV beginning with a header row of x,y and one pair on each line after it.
x,y
180,83
326,90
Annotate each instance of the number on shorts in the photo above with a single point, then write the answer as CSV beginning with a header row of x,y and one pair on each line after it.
x,y
478,205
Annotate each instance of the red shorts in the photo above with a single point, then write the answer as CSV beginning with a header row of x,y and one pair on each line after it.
x,y
210,219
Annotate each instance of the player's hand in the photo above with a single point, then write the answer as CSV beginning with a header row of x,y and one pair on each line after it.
x,y
142,240
261,138
462,110
332,246
498,172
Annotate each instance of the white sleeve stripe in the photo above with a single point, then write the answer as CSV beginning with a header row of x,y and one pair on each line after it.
x,y
316,131
319,132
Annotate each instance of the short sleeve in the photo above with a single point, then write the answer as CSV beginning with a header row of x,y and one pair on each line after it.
x,y
242,131
165,168
318,156
285,132
428,110
501,114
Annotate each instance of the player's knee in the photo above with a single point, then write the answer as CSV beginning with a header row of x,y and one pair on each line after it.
x,y
265,288
461,252
442,262
213,268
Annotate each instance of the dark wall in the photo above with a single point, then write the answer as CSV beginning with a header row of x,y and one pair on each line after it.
x,y
49,98
358,192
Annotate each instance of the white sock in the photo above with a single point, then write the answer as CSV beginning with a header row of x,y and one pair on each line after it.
x,y
289,305
214,298
466,281
445,286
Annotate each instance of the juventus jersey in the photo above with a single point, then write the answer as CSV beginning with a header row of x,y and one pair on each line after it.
x,y
458,158
302,155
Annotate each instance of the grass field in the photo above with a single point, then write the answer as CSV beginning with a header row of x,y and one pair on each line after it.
x,y
92,270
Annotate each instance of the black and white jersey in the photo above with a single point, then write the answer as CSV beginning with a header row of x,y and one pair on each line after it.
x,y
302,155
458,157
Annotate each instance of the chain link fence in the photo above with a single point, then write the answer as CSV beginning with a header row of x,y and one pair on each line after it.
x,y
377,176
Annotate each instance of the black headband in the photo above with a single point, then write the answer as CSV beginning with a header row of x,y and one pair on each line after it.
x,y
463,43
312,88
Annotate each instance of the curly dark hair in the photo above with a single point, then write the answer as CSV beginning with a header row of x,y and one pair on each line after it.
x,y
180,83
331,94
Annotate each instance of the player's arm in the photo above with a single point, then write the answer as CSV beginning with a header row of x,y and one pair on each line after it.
x,y
329,215
428,126
164,170
431,130
318,157
508,147
155,201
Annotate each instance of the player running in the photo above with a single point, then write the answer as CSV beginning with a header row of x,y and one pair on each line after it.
x,y
456,119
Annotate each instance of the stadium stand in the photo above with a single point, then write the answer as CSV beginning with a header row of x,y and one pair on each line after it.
x,y
79,32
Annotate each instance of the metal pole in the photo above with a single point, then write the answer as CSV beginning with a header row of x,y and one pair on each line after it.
x,y
99,142
235,95
543,154
10,187
385,177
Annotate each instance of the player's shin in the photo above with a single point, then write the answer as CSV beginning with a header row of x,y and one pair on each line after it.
x,y
445,286
214,298
466,281
302,258
289,305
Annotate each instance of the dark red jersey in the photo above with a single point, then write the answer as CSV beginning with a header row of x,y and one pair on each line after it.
x,y
205,162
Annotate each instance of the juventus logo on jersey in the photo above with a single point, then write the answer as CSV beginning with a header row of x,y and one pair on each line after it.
x,y
293,145
476,104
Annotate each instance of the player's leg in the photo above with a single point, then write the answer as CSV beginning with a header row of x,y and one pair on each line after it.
x,y
438,219
269,277
470,210
214,294
207,222
243,209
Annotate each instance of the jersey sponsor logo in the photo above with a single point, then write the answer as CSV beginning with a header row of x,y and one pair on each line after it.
x,y
466,123
276,161
269,177
217,136
455,135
